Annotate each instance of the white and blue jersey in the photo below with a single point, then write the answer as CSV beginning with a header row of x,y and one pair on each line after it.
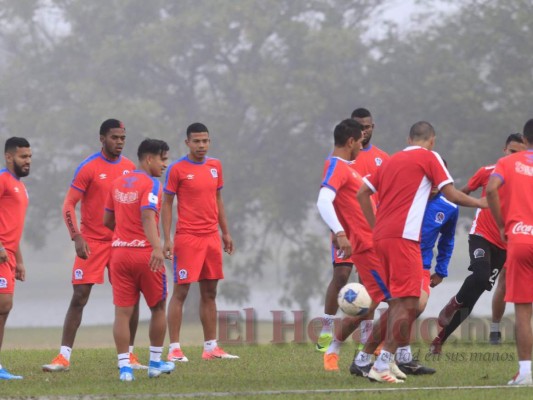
x,y
440,218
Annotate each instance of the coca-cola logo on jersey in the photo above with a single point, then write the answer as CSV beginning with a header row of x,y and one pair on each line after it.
x,y
133,243
522,229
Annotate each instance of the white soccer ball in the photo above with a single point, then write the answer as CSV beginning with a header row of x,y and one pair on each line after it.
x,y
354,300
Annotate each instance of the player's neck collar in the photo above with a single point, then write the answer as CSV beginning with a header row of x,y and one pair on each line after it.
x,y
368,148
196,162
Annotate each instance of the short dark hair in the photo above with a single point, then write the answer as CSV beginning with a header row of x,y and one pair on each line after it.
x,y
514,137
197,127
13,142
422,130
528,131
361,113
151,146
345,130
109,124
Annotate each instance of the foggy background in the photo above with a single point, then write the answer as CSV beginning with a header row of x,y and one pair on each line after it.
x,y
270,79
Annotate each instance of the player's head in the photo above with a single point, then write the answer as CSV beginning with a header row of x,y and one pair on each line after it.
x,y
197,141
112,137
153,156
363,116
528,133
514,144
422,134
347,134
17,152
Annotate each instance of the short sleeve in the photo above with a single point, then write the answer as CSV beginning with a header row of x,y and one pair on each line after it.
x,y
150,196
220,176
172,180
333,178
437,171
476,181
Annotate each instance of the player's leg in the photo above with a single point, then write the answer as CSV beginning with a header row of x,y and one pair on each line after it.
x,y
175,317
121,334
6,304
341,274
134,323
498,309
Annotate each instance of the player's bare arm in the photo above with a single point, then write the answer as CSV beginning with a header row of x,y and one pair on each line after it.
x,y
157,259
20,269
166,218
72,198
493,199
3,254
462,199
109,220
363,196
223,223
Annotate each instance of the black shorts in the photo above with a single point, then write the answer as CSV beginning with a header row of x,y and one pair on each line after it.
x,y
486,256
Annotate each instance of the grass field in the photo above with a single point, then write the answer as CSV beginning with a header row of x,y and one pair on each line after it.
x,y
289,371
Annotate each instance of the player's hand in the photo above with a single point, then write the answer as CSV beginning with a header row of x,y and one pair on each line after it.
x,y
20,272
434,280
3,256
334,241
82,248
157,260
168,248
228,243
345,248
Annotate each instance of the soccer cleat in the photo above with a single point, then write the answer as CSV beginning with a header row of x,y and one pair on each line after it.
x,y
58,364
134,362
323,342
384,376
447,313
331,362
436,346
157,368
360,370
396,371
177,355
126,374
217,353
6,375
495,338
521,380
415,368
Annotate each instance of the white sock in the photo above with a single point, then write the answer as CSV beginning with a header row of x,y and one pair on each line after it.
x,y
383,361
334,347
525,367
65,351
494,326
1,366
404,355
131,349
327,323
155,353
124,360
210,345
366,329
173,346
362,359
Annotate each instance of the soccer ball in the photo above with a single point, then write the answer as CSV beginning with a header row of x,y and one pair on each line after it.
x,y
354,300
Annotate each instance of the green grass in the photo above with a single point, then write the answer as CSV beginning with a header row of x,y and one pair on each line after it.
x,y
265,368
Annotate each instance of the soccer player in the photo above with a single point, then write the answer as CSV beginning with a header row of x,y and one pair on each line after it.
x,y
196,180
339,209
137,259
487,257
510,196
92,242
368,160
404,183
13,205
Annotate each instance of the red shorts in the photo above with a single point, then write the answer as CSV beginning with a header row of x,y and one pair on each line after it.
x,y
7,274
402,264
92,269
371,273
426,280
131,275
338,261
519,265
197,258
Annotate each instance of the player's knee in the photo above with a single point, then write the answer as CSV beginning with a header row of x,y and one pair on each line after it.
x,y
481,274
5,306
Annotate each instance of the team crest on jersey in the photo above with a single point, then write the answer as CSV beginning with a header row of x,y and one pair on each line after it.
x,y
3,283
182,273
126,171
439,217
378,161
214,173
78,274
479,253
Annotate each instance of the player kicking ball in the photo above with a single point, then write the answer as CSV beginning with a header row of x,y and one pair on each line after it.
x,y
137,259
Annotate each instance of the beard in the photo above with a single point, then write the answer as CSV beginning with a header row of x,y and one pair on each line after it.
x,y
19,171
